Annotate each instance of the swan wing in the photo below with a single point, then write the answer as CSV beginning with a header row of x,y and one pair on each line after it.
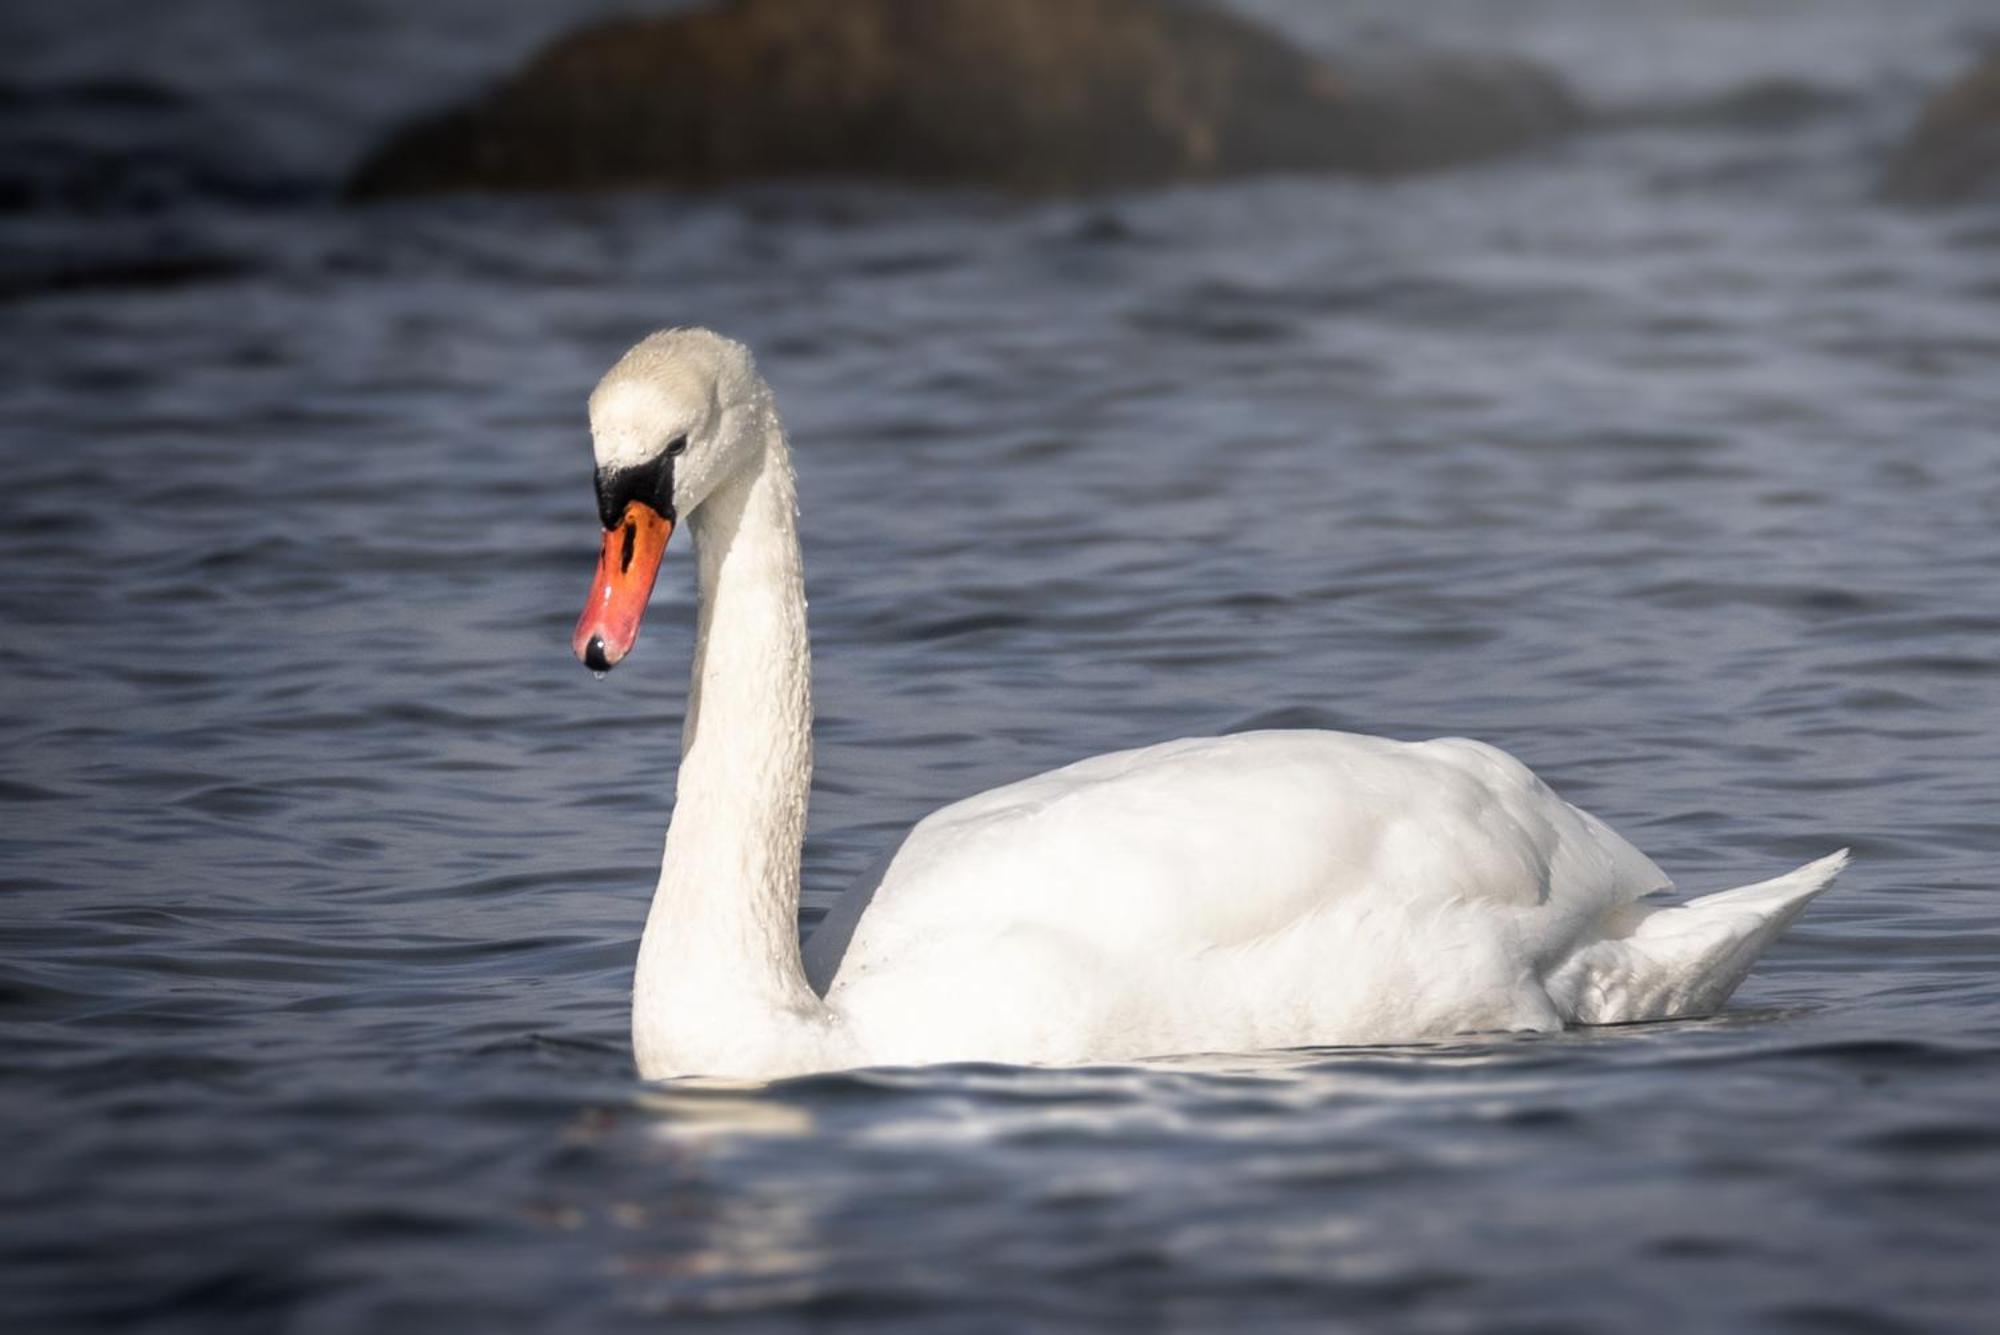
x,y
1324,887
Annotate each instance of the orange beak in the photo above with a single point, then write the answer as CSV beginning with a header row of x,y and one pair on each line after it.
x,y
626,569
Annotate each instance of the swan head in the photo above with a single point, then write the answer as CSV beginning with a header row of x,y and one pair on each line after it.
x,y
669,424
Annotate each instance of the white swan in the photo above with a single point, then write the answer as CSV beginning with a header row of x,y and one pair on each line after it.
x,y
1217,894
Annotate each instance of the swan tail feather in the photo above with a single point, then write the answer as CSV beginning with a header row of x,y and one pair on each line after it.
x,y
1684,960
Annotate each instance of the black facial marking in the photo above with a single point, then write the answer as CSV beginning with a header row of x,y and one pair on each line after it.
x,y
651,482
631,537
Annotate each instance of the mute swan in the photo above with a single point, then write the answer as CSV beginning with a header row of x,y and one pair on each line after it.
x,y
1262,890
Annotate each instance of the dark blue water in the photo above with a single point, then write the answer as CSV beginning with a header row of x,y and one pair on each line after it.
x,y
1665,458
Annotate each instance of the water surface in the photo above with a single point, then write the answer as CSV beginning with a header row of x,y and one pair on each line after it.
x,y
1664,458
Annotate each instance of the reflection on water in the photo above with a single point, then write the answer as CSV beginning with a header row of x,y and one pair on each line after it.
x,y
696,1112
1663,459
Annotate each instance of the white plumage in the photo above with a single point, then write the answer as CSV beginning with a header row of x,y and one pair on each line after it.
x,y
1222,894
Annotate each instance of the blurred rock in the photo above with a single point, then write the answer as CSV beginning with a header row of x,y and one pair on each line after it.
x,y
1954,151
1032,95
1778,104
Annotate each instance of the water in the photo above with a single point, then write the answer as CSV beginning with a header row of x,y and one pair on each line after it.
x,y
1663,458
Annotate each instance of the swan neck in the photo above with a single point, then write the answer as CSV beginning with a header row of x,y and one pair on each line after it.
x,y
719,974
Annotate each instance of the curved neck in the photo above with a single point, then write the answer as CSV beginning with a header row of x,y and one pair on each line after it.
x,y
720,989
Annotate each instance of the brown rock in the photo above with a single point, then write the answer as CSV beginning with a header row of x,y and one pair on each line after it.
x,y
1954,151
1032,95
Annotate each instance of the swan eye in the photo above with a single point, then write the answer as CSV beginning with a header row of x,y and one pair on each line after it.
x,y
677,446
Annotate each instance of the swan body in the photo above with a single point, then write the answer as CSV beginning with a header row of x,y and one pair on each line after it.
x,y
1217,894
